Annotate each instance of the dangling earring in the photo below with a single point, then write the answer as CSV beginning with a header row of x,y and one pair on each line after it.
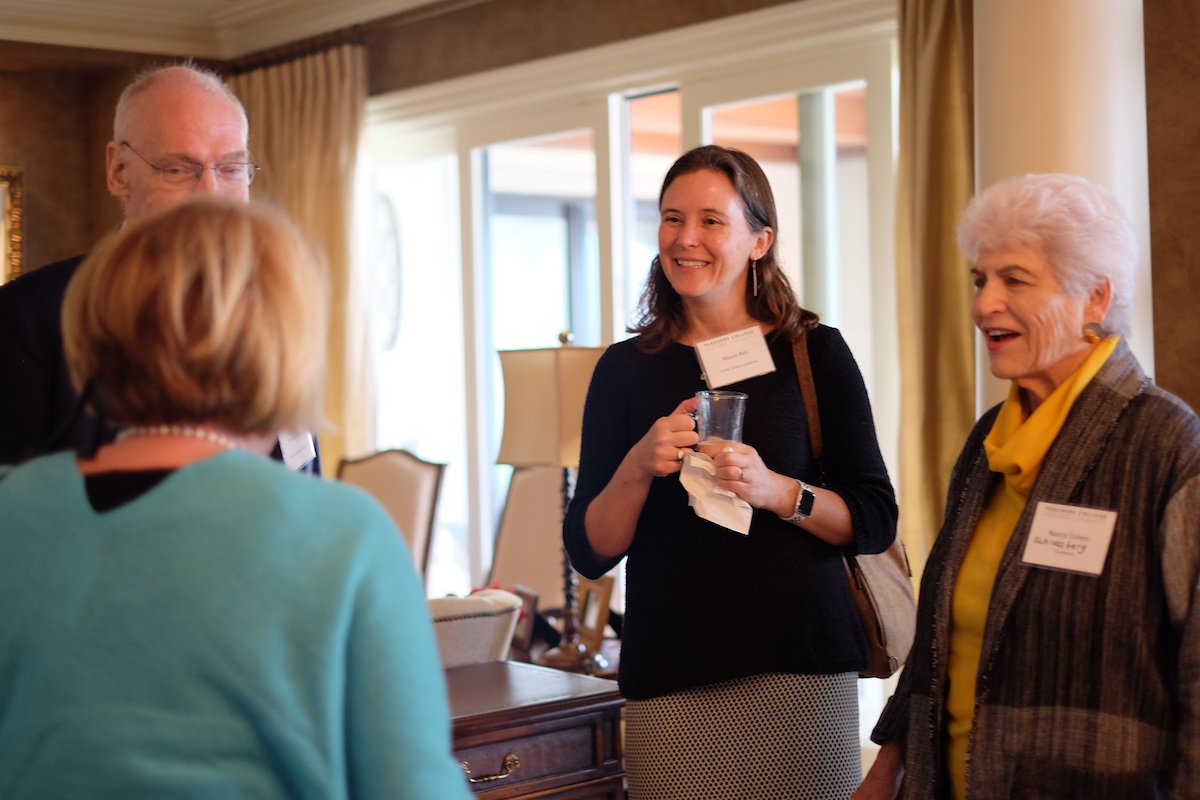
x,y
1093,333
754,275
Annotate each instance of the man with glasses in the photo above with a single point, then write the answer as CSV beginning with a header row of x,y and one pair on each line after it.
x,y
178,132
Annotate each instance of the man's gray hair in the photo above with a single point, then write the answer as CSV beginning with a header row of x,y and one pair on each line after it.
x,y
147,79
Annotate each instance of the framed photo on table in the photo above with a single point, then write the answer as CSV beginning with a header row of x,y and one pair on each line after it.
x,y
594,598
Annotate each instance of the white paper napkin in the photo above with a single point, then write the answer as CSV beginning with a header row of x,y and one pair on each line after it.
x,y
699,478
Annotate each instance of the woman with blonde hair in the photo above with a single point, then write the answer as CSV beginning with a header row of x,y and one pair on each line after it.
x,y
185,617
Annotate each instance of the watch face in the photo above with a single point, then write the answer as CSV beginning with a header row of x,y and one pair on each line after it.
x,y
806,501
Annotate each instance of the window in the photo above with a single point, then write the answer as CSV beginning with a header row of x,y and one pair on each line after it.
x,y
533,193
418,352
541,257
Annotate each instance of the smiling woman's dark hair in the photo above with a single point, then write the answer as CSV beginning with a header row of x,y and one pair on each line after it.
x,y
660,318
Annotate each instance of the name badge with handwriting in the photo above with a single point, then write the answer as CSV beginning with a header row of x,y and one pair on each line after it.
x,y
734,357
1069,538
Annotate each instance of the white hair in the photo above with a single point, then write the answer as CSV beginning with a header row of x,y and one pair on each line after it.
x,y
1077,226
147,79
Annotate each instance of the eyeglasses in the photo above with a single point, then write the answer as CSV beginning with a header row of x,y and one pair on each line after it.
x,y
188,173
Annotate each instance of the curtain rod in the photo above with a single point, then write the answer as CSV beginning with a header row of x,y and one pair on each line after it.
x,y
295,50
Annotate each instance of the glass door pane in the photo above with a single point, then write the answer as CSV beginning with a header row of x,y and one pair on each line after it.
x,y
417,345
541,256
541,247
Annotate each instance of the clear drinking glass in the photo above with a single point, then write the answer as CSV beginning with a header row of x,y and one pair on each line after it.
x,y
719,416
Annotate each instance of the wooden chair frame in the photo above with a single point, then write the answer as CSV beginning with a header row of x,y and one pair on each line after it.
x,y
389,476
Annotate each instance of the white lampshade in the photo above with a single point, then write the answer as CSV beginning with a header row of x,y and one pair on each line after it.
x,y
544,391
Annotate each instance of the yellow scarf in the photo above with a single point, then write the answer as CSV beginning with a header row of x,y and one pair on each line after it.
x,y
1015,447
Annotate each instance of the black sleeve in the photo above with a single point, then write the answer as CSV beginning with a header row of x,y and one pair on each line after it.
x,y
853,465
32,368
602,448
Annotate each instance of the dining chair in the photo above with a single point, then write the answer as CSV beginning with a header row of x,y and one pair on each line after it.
x,y
528,545
408,487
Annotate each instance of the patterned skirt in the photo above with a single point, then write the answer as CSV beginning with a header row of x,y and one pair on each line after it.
x,y
768,737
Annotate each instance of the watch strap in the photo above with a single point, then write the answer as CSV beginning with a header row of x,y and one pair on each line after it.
x,y
805,500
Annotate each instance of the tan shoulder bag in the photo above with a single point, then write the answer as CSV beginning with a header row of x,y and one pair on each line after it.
x,y
881,583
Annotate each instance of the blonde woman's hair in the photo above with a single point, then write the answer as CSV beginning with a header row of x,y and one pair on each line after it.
x,y
209,311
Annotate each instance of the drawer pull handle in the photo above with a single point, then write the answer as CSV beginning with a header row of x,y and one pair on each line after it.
x,y
511,762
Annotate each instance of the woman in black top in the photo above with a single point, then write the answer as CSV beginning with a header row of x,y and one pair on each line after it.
x,y
739,652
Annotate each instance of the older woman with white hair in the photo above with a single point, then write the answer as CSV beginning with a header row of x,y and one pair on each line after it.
x,y
1058,636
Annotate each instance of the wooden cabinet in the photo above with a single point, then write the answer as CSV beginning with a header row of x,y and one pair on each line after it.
x,y
526,731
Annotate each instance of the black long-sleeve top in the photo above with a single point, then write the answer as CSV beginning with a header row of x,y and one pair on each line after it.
x,y
36,395
705,604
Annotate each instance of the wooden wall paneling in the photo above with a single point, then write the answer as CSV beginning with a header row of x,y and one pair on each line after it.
x,y
1172,31
460,37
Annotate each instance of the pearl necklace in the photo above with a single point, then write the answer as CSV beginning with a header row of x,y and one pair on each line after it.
x,y
179,430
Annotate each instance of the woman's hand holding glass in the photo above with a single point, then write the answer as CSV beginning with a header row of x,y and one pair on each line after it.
x,y
662,449
740,469
612,516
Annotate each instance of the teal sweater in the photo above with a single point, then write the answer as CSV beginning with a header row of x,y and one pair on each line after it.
x,y
240,631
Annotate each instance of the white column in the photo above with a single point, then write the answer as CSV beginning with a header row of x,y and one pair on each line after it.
x,y
1060,87
819,204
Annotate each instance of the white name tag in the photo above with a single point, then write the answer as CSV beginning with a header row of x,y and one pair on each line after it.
x,y
297,450
734,357
1069,538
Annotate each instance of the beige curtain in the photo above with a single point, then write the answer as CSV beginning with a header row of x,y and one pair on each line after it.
x,y
936,179
306,117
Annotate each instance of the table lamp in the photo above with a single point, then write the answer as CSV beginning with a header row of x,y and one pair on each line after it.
x,y
544,392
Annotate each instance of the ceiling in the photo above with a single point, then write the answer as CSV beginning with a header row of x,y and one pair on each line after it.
x,y
216,29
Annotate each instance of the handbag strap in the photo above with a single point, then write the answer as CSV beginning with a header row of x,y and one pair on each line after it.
x,y
808,392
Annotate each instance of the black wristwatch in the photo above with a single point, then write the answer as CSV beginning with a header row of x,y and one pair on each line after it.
x,y
804,505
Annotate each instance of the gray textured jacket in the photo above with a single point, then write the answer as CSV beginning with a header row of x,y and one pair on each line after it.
x,y
1088,686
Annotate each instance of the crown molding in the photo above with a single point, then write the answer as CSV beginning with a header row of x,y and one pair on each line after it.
x,y
249,27
179,28
702,51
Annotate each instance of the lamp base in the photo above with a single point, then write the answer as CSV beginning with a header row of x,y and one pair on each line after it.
x,y
573,657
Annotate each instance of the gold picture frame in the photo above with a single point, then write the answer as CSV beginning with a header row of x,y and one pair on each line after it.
x,y
594,603
11,222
